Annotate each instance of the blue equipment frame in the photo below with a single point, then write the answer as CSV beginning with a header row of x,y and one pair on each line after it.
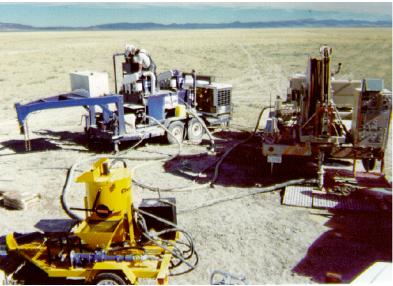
x,y
72,100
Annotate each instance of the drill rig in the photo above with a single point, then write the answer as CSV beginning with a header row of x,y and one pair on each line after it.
x,y
309,123
115,243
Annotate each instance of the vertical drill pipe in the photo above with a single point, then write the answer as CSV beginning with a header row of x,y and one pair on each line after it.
x,y
326,121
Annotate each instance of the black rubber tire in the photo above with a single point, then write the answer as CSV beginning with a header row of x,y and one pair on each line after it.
x,y
109,278
177,128
368,164
195,131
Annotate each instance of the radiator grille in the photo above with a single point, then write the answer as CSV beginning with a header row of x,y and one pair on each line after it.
x,y
224,97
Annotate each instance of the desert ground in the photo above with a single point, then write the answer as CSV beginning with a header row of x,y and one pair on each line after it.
x,y
255,235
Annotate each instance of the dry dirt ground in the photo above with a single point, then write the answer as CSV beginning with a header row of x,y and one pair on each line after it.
x,y
255,236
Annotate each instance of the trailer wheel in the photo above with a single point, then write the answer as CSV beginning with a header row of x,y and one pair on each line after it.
x,y
195,131
368,164
109,278
177,130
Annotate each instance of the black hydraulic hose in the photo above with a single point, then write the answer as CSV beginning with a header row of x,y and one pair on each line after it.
x,y
70,176
215,177
176,252
260,117
217,169
255,192
217,163
197,117
64,205
120,156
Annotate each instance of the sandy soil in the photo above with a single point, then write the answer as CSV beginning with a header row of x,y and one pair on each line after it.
x,y
255,236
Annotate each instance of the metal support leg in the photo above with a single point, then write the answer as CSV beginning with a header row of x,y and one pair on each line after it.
x,y
382,165
354,167
116,147
321,173
27,138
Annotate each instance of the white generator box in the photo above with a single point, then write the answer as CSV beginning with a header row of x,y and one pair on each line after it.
x,y
96,83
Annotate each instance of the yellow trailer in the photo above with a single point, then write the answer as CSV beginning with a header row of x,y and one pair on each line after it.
x,y
115,243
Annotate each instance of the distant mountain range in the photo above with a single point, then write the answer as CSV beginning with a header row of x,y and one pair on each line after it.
x,y
305,23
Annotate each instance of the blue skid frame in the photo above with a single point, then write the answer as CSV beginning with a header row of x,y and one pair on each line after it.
x,y
73,99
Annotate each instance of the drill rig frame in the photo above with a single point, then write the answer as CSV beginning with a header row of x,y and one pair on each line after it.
x,y
309,122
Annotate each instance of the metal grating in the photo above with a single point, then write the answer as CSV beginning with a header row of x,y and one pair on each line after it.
x,y
330,201
300,196
224,97
303,196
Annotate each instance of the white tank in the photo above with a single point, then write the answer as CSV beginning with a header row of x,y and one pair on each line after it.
x,y
96,83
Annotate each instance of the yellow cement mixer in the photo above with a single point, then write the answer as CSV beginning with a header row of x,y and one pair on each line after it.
x,y
115,243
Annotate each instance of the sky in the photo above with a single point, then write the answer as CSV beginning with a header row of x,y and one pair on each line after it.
x,y
88,14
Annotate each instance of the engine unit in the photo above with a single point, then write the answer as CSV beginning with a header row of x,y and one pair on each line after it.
x,y
214,98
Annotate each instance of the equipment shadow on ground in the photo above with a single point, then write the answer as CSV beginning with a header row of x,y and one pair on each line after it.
x,y
50,140
37,145
66,140
245,166
355,241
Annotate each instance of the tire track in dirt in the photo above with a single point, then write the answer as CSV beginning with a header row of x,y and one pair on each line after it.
x,y
265,75
260,83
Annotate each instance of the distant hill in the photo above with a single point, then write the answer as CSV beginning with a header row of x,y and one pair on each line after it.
x,y
14,27
234,25
276,24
